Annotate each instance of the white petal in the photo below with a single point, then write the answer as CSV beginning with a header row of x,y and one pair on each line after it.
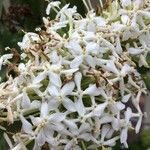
x,y
138,125
85,136
53,91
110,66
92,48
69,71
110,133
126,98
69,145
67,88
80,107
143,61
145,14
57,117
51,5
111,142
41,139
77,79
91,26
36,120
105,119
69,105
128,114
123,136
120,106
135,51
36,146
115,124
44,109
55,79
100,21
91,61
35,104
126,3
26,126
76,62
72,126
92,90
39,78
118,46
85,127
74,47
98,111
53,104
25,101
104,131
48,9
4,58
125,19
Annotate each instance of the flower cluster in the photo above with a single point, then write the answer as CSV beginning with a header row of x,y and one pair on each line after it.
x,y
77,77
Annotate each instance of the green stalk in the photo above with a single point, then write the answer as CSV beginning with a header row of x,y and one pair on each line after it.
x,y
83,146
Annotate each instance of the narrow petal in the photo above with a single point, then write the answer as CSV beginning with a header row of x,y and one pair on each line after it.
x,y
138,125
126,98
39,78
25,101
85,136
76,62
72,126
53,91
41,139
111,142
92,48
128,114
57,117
104,131
44,109
85,127
26,126
69,105
135,51
91,61
53,104
92,90
67,88
55,79
77,79
80,107
69,145
98,111
123,136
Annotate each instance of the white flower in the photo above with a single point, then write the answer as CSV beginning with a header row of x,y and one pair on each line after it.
x,y
4,59
135,51
25,100
126,3
28,38
51,5
73,87
60,95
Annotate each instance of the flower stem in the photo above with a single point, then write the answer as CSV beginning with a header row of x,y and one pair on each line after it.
x,y
85,3
101,3
83,146
90,5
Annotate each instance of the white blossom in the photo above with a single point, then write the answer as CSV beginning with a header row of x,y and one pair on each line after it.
x,y
74,87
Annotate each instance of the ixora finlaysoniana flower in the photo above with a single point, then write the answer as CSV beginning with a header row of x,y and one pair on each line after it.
x,y
72,89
